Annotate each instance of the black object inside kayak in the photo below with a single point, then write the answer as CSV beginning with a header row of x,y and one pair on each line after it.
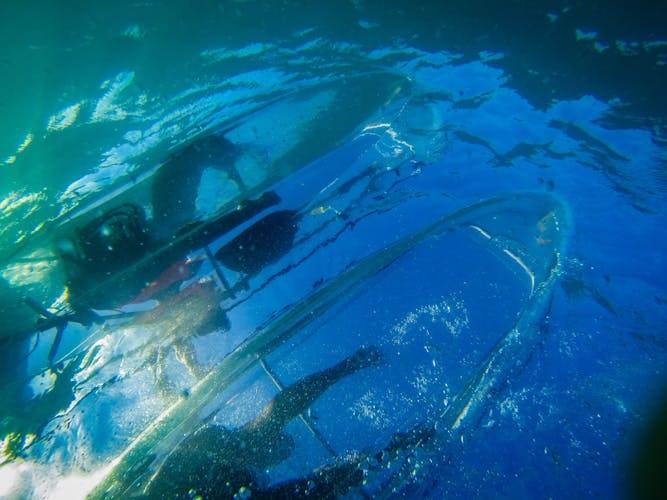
x,y
261,244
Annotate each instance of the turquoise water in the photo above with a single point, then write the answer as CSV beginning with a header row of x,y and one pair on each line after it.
x,y
409,112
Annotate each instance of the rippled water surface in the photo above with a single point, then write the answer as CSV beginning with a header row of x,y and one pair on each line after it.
x,y
374,122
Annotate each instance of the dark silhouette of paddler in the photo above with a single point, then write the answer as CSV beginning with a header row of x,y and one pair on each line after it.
x,y
110,259
215,462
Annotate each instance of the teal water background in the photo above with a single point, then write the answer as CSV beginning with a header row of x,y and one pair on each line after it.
x,y
559,96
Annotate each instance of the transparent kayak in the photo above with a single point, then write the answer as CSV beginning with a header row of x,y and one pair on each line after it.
x,y
463,300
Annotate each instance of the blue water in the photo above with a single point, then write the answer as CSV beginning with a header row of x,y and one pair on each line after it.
x,y
559,98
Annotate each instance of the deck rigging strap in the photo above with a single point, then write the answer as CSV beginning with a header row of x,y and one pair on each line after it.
x,y
218,272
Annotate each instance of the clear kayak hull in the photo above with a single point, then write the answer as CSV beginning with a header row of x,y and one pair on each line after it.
x,y
428,296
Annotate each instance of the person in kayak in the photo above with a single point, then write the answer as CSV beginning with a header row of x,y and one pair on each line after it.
x,y
109,260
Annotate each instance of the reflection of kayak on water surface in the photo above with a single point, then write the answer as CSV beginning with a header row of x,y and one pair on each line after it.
x,y
113,245
215,341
